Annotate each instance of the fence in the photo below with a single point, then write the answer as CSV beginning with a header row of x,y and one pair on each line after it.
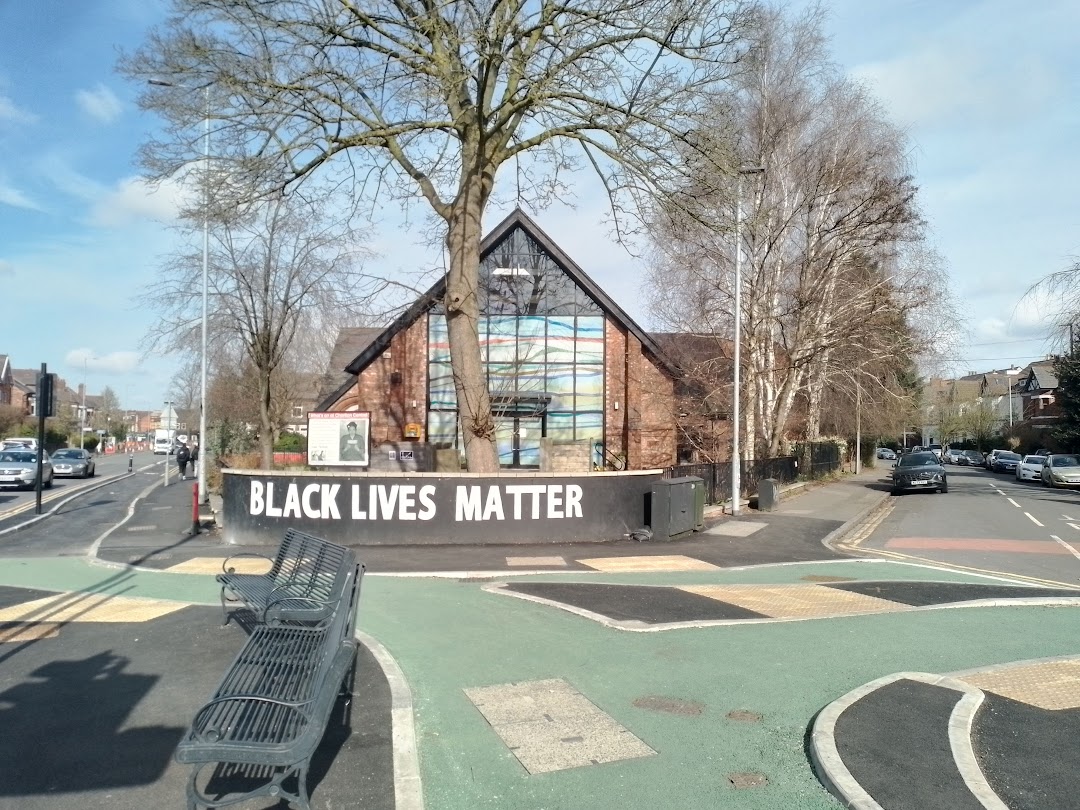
x,y
823,458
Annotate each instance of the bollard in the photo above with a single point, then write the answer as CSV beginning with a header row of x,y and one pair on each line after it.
x,y
195,508
131,461
768,494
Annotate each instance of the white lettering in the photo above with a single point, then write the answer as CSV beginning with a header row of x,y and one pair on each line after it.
x,y
387,499
257,504
516,490
309,510
373,502
467,503
573,500
494,504
292,502
406,502
426,493
329,501
356,513
271,510
554,501
536,490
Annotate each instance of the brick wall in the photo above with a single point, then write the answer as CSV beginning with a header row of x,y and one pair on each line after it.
x,y
639,403
573,457
394,386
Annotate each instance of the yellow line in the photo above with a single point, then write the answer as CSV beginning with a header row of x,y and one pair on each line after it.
x,y
870,526
966,568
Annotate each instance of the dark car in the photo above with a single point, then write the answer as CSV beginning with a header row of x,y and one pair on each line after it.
x,y
73,462
970,458
1005,462
919,471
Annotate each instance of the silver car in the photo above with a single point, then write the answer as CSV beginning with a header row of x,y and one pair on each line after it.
x,y
1061,470
73,462
18,468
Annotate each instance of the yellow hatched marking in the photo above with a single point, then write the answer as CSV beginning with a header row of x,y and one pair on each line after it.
x,y
1052,685
674,562
796,601
89,607
19,633
212,565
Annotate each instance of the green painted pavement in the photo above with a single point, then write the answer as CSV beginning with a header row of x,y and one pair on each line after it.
x,y
449,635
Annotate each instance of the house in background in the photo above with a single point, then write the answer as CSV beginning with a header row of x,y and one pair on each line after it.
x,y
563,362
1037,391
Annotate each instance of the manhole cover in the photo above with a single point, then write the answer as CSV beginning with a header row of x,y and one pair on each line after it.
x,y
825,578
744,716
669,705
741,781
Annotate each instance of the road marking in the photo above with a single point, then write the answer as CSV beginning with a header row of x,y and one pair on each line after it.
x,y
1014,503
1075,526
1066,517
1032,518
1072,550
852,542
967,568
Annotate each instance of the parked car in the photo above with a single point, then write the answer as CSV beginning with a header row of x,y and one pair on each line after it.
x,y
971,458
1005,462
886,453
1029,468
1060,470
952,456
73,462
18,468
919,471
989,461
19,443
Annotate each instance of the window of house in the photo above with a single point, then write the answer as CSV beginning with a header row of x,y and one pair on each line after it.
x,y
298,411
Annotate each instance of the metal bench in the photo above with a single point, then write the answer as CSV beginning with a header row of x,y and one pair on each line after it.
x,y
303,585
271,709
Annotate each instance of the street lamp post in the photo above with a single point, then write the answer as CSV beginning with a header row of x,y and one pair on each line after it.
x,y
736,471
204,445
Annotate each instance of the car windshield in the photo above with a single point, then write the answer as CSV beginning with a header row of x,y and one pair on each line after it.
x,y
973,454
1065,461
918,460
1008,456
18,456
1033,460
67,454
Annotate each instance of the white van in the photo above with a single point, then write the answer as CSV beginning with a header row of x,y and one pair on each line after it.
x,y
163,445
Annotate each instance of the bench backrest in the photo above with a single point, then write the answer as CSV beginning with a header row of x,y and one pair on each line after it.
x,y
309,566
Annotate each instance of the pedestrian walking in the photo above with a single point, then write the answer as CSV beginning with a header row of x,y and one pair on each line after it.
x,y
183,456
194,459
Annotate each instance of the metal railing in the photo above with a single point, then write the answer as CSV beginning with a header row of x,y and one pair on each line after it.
x,y
812,461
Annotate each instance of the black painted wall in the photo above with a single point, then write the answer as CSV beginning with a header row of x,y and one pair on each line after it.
x,y
357,509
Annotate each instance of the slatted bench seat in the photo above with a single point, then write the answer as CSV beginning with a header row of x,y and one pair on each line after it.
x,y
303,585
271,709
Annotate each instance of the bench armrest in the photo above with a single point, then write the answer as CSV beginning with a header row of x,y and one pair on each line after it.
x,y
270,603
226,570
213,734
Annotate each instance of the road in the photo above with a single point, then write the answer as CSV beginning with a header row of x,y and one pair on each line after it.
x,y
987,522
77,521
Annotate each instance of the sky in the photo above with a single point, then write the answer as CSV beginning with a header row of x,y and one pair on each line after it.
x,y
988,93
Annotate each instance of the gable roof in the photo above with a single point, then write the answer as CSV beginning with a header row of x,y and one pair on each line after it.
x,y
1043,375
517,218
351,341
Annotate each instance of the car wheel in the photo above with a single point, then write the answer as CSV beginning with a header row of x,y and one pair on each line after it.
x,y
896,491
48,484
93,472
944,488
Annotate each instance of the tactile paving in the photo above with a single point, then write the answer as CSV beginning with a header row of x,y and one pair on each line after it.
x,y
1051,685
21,632
656,562
212,565
88,607
795,601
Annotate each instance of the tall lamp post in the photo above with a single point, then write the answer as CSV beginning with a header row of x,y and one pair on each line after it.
x,y
204,445
736,470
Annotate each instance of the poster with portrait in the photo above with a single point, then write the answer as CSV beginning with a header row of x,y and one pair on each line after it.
x,y
338,439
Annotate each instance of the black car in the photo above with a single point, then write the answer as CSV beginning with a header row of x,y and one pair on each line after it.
x,y
919,471
1005,461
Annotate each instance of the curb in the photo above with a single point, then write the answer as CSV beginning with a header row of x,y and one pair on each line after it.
x,y
849,526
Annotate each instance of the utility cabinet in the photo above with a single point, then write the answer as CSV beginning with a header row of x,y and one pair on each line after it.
x,y
677,508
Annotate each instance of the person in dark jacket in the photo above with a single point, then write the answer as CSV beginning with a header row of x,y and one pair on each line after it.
x,y
183,456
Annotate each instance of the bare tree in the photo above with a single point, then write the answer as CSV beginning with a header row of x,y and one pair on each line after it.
x,y
184,390
430,100
825,233
275,262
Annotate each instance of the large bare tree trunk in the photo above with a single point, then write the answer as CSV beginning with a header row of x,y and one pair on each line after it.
x,y
462,304
266,424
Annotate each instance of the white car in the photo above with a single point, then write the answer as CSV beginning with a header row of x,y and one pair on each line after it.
x,y
1029,468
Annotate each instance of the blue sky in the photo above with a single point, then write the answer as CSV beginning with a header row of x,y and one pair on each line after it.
x,y
988,92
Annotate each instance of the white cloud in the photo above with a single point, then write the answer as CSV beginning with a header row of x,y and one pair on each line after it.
x,y
114,362
16,199
135,198
100,103
10,114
